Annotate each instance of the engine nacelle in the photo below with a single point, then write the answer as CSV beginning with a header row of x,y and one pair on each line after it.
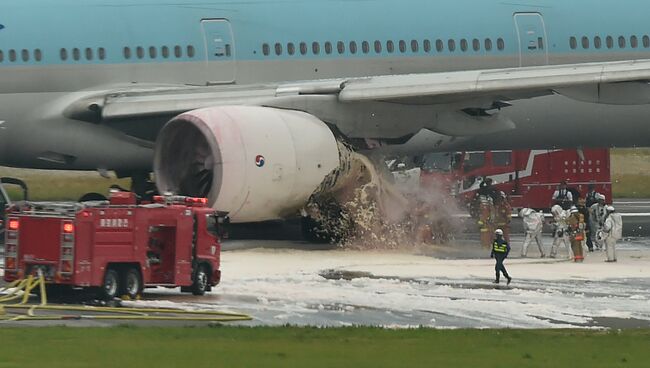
x,y
257,163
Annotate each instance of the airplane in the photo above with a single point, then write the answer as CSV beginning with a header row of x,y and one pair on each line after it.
x,y
259,105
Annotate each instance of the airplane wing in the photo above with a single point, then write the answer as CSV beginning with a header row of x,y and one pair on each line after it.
x,y
454,96
491,82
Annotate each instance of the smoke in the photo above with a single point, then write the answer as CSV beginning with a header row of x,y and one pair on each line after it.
x,y
375,212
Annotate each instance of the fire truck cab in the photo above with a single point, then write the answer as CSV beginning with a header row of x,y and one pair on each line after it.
x,y
117,246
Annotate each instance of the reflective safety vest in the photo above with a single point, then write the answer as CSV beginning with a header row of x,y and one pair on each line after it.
x,y
500,247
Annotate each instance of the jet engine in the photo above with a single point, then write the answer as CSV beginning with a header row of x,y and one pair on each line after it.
x,y
257,163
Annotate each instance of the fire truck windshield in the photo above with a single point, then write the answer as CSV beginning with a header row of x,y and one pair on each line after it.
x,y
439,162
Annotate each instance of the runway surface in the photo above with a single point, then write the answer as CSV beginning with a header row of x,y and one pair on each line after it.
x,y
441,287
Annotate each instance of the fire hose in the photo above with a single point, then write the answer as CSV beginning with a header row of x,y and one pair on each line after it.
x,y
21,289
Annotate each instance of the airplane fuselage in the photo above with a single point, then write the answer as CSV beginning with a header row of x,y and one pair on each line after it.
x,y
53,53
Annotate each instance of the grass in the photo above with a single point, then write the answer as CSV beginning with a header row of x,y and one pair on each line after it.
x,y
51,185
312,347
630,168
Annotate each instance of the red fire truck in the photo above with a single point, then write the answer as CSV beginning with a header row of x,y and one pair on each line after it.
x,y
117,246
529,177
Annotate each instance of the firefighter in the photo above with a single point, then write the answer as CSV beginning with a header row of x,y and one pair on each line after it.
x,y
485,216
503,214
500,251
533,225
589,200
597,213
612,232
560,231
576,227
584,211
562,196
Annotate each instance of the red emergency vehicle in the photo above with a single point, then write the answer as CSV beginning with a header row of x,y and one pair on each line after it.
x,y
529,177
117,245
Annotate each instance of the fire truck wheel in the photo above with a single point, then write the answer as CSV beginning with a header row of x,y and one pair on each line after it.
x,y
111,284
132,283
201,280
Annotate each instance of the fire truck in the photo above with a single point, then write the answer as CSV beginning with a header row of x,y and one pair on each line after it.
x,y
117,246
529,177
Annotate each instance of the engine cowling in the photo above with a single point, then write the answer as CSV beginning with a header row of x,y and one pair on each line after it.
x,y
257,163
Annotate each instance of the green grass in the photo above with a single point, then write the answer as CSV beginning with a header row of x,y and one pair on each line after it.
x,y
51,185
311,347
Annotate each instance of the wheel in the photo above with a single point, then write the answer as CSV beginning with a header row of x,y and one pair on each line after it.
x,y
201,280
111,284
92,197
131,283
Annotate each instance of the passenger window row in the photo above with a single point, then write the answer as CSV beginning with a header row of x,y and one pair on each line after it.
x,y
390,46
17,55
88,53
609,42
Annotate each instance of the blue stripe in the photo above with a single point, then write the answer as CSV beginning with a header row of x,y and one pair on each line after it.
x,y
114,24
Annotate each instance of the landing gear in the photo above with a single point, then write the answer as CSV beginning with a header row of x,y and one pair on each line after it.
x,y
143,186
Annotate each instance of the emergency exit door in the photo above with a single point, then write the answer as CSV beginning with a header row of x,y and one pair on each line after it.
x,y
531,33
219,51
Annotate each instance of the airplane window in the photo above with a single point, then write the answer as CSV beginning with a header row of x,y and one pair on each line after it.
x,y
315,48
378,47
139,51
540,43
365,47
573,43
501,44
427,45
488,44
2,56
266,50
476,44
598,43
76,54
353,47
291,48
390,46
63,53
178,51
153,52
278,49
38,55
303,48
89,53
585,42
610,42
646,41
228,50
621,42
25,55
164,51
328,47
439,45
451,44
101,53
190,51
12,55
402,46
415,47
634,42
340,47
127,52
463,44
